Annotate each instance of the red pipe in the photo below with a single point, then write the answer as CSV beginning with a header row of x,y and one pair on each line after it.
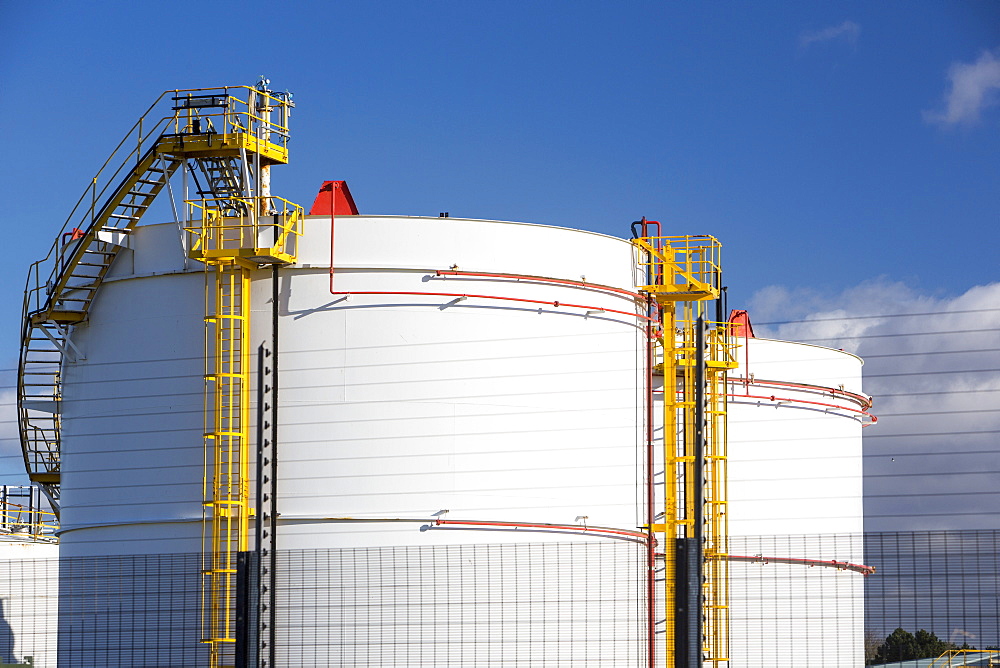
x,y
510,299
861,411
539,525
650,494
73,235
333,206
541,279
859,399
840,565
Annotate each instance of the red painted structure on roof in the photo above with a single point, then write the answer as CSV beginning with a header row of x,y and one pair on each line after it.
x,y
334,198
739,321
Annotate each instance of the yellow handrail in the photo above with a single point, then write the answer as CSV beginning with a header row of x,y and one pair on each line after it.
x,y
225,225
138,141
947,659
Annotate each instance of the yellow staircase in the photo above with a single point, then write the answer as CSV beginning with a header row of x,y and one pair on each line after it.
x,y
225,140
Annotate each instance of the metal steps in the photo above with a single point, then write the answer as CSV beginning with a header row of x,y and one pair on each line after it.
x,y
60,291
62,287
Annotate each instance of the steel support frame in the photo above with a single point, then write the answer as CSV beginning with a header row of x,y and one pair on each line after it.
x,y
682,274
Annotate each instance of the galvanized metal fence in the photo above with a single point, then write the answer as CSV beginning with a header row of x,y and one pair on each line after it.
x,y
546,604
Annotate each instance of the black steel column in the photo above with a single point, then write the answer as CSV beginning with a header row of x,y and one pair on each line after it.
x,y
262,639
272,555
247,601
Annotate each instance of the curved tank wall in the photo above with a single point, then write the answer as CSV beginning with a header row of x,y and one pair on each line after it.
x,y
393,405
522,405
795,490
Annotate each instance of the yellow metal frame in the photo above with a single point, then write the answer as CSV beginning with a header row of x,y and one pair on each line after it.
x,y
241,124
228,237
230,228
684,268
230,129
222,145
233,122
951,657
228,240
722,357
686,272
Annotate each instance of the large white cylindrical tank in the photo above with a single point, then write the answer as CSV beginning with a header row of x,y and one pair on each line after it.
x,y
487,374
501,399
795,493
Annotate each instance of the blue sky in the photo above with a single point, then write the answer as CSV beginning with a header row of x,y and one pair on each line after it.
x,y
800,134
846,154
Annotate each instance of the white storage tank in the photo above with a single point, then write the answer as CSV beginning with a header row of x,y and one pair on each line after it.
x,y
517,405
796,413
488,375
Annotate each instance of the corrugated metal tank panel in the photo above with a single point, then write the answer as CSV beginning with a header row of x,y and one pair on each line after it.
x,y
794,467
392,405
403,405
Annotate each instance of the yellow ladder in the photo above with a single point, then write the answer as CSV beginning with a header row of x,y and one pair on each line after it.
x,y
231,239
227,441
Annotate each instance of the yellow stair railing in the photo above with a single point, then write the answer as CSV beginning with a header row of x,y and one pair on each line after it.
x,y
238,124
22,518
226,139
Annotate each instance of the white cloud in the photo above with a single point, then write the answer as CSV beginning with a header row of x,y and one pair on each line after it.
x,y
923,383
848,30
972,88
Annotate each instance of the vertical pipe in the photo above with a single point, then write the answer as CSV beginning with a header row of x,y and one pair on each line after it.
x,y
650,505
333,206
699,433
262,527
698,526
272,583
670,500
650,344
